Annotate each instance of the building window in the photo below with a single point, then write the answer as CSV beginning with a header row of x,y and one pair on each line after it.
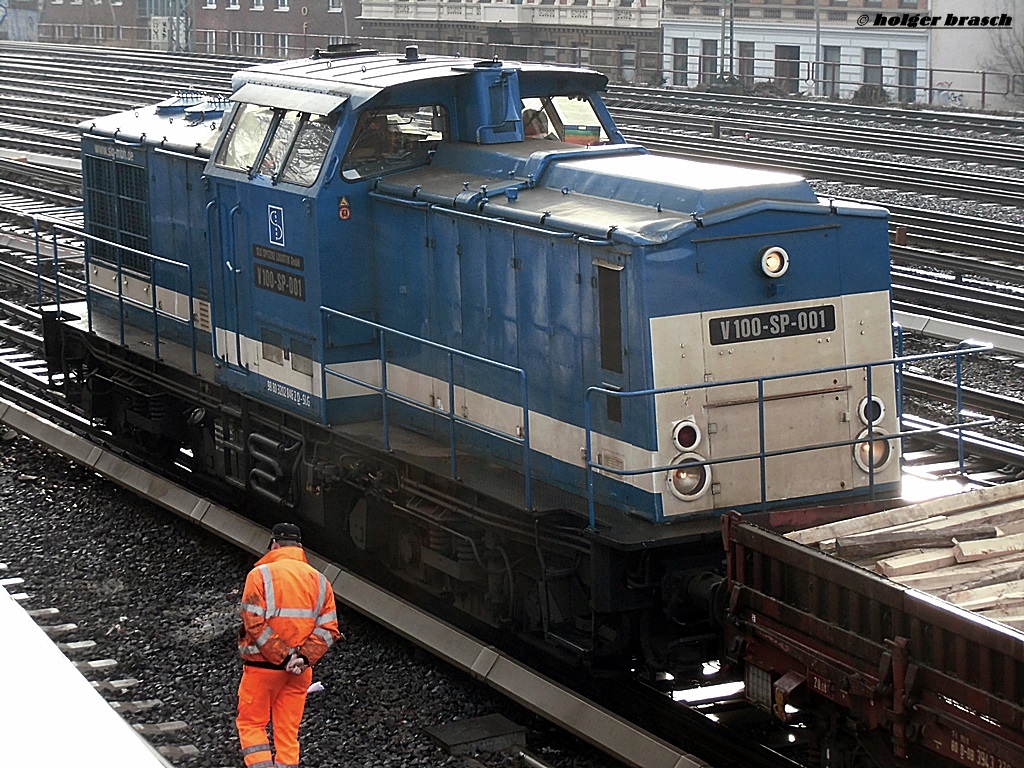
x,y
680,45
627,63
257,5
908,76
257,43
787,67
282,5
210,39
873,66
746,62
581,55
708,64
548,51
236,42
282,46
334,5
830,70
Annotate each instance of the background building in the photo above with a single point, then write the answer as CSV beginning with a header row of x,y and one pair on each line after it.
x,y
620,37
819,48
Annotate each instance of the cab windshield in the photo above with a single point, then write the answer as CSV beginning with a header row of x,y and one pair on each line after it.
x,y
283,145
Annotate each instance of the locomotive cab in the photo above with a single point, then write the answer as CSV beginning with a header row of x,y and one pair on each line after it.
x,y
293,176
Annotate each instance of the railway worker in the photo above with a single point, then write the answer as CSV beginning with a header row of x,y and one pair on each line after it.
x,y
289,621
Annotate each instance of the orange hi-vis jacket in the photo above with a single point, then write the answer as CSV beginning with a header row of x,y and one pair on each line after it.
x,y
287,605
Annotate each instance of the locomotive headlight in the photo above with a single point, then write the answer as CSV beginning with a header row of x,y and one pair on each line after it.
x,y
875,453
871,410
774,261
689,482
686,435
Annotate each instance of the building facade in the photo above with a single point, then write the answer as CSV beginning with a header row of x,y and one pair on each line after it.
x,y
877,49
871,49
620,37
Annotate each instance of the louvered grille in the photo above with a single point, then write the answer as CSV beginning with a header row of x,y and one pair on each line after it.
x,y
117,203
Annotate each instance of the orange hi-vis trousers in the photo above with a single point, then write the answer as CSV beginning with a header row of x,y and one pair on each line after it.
x,y
266,695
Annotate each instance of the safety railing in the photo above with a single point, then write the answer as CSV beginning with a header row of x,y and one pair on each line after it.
x,y
453,418
964,421
46,234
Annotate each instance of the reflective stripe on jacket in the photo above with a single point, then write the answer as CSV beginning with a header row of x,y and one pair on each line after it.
x,y
286,605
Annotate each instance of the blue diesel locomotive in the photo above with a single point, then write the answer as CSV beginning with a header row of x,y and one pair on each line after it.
x,y
440,312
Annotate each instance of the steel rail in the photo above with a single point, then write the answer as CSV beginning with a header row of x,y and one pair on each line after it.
x,y
831,135
1011,126
983,187
958,264
989,403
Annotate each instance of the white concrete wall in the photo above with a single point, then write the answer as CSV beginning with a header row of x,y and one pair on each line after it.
x,y
961,55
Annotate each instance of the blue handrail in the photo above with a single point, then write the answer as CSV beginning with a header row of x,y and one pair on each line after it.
x,y
967,347
42,224
452,417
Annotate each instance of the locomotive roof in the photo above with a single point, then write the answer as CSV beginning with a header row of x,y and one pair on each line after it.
x,y
361,77
188,122
616,191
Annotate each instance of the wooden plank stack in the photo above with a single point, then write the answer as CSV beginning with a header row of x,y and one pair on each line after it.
x,y
967,549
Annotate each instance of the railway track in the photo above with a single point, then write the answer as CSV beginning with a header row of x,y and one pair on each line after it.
x,y
803,131
596,723
29,388
88,654
751,759
1002,190
819,109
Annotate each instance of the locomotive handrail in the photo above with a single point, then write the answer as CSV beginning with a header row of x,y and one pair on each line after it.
x,y
972,420
234,283
56,226
452,417
212,206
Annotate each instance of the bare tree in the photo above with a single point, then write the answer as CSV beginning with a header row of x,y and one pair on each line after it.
x,y
1008,56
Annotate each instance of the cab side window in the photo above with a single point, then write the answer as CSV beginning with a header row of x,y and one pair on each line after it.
x,y
394,139
571,119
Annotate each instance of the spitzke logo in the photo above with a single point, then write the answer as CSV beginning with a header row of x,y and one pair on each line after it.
x,y
950,20
275,221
